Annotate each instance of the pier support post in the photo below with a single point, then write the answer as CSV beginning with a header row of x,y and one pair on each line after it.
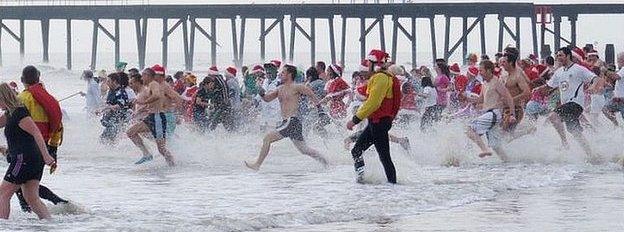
x,y
241,49
332,41
282,39
557,25
482,32
262,39
573,29
434,53
343,40
464,39
534,34
165,41
94,44
69,44
447,29
234,42
45,36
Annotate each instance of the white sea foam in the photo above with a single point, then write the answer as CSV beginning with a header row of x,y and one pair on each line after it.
x,y
211,189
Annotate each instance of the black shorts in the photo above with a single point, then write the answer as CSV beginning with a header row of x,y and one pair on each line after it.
x,y
24,167
291,128
569,114
157,123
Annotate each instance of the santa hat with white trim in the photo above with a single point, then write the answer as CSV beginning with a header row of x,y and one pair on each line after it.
x,y
230,71
578,53
364,65
213,71
158,70
258,69
336,68
593,53
378,56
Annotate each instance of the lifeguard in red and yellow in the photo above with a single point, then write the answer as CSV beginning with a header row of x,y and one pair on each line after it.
x,y
44,109
380,108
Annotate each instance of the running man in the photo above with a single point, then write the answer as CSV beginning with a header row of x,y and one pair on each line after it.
x,y
570,79
156,121
494,97
288,94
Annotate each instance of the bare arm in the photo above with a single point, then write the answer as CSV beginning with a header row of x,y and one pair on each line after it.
x,y
173,95
153,94
304,90
28,125
3,120
270,96
526,90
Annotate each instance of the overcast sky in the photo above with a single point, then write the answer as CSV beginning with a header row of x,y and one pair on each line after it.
x,y
597,30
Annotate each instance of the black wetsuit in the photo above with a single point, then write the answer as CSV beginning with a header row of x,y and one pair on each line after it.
x,y
376,134
221,108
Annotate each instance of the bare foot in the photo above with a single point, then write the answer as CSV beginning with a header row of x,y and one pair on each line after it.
x,y
252,167
620,161
485,154
170,161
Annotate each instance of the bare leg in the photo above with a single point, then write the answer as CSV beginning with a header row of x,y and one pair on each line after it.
x,y
134,134
404,142
611,116
162,149
501,153
269,138
580,138
472,135
306,150
7,190
558,124
31,193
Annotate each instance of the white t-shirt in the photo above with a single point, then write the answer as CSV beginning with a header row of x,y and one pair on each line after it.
x,y
570,83
432,96
619,85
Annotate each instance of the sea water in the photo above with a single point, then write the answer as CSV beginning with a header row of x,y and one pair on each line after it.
x,y
544,187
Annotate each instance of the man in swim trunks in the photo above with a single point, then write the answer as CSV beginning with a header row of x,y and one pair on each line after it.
x,y
494,97
288,95
156,121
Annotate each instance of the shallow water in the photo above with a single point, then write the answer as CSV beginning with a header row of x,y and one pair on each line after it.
x,y
211,190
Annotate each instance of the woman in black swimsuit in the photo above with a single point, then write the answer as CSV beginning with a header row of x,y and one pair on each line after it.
x,y
27,154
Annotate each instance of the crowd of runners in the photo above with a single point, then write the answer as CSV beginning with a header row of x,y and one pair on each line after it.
x,y
500,99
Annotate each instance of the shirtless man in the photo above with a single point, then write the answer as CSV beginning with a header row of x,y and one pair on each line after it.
x,y
140,110
517,84
171,102
288,95
494,97
155,122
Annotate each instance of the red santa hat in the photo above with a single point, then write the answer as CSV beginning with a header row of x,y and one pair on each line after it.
x,y
497,71
455,69
213,71
378,56
541,69
593,53
473,70
230,71
276,63
364,65
336,68
578,54
158,70
533,58
257,69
